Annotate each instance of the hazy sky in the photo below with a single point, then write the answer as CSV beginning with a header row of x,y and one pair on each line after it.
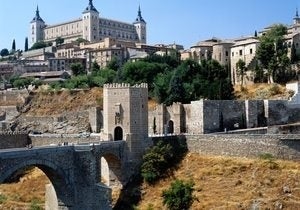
x,y
168,21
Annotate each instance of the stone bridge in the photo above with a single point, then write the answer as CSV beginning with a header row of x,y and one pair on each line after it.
x,y
77,173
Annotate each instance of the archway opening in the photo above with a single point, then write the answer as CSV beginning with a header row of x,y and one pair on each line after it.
x,y
36,187
118,134
170,126
111,174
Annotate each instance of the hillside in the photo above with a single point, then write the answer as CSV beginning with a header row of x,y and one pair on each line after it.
x,y
220,183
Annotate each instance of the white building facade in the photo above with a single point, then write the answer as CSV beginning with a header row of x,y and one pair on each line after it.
x,y
90,26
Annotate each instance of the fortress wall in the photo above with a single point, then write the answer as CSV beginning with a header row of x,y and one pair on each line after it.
x,y
280,146
13,140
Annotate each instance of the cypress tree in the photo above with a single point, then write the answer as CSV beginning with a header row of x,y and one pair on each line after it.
x,y
26,44
13,47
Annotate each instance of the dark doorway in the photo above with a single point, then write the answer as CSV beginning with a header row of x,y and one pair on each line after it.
x,y
118,134
171,127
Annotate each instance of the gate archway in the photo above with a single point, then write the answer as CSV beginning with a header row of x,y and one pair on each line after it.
x,y
118,134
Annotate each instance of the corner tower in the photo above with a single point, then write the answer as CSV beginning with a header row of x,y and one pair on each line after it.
x,y
90,23
37,25
141,27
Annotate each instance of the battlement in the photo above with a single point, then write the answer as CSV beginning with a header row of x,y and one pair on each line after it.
x,y
125,85
13,140
12,133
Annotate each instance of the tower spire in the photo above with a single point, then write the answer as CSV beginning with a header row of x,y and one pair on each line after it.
x,y
37,15
297,15
90,7
139,16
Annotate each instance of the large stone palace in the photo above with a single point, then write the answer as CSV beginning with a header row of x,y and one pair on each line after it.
x,y
90,26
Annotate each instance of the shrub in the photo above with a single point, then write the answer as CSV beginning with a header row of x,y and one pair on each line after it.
x,y
34,205
3,198
155,162
179,196
164,155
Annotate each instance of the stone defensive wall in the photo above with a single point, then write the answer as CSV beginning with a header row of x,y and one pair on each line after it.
x,y
125,85
280,146
13,140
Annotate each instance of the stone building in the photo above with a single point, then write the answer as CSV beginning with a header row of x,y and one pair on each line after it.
x,y
90,26
244,49
210,116
64,64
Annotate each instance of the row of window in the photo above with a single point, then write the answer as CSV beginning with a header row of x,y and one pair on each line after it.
x,y
115,24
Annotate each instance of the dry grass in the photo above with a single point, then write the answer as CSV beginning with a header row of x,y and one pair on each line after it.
x,y
30,188
220,183
232,183
46,103
261,91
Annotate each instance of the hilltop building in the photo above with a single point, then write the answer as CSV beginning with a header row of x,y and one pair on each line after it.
x,y
90,26
229,52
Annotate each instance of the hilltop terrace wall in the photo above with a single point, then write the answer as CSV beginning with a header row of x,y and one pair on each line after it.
x,y
13,140
280,146
13,96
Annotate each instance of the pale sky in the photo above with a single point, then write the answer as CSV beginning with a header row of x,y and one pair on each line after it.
x,y
168,21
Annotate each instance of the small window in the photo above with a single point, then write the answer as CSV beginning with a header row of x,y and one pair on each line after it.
x,y
251,51
232,54
241,52
226,53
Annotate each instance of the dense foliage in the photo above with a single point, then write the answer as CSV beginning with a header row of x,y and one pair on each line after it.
x,y
39,45
272,54
161,157
179,196
171,81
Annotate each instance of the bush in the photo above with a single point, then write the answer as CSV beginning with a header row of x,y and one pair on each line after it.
x,y
179,196
3,198
155,162
162,157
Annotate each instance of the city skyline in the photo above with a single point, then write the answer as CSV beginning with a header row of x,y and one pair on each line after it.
x,y
167,21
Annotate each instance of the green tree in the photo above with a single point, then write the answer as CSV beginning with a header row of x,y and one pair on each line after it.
x,y
95,67
39,45
13,46
77,69
113,64
26,44
294,57
179,196
156,162
241,70
59,41
4,52
271,49
81,40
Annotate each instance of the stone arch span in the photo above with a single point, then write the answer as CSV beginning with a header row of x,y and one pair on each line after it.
x,y
61,183
111,170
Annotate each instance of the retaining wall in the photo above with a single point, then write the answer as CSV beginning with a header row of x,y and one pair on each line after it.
x,y
280,146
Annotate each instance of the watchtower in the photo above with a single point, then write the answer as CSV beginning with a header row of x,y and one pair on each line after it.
x,y
125,109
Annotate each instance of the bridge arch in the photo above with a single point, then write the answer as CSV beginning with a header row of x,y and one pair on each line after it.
x,y
63,187
111,170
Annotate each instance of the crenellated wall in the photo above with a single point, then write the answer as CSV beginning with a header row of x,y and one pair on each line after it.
x,y
210,116
13,140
